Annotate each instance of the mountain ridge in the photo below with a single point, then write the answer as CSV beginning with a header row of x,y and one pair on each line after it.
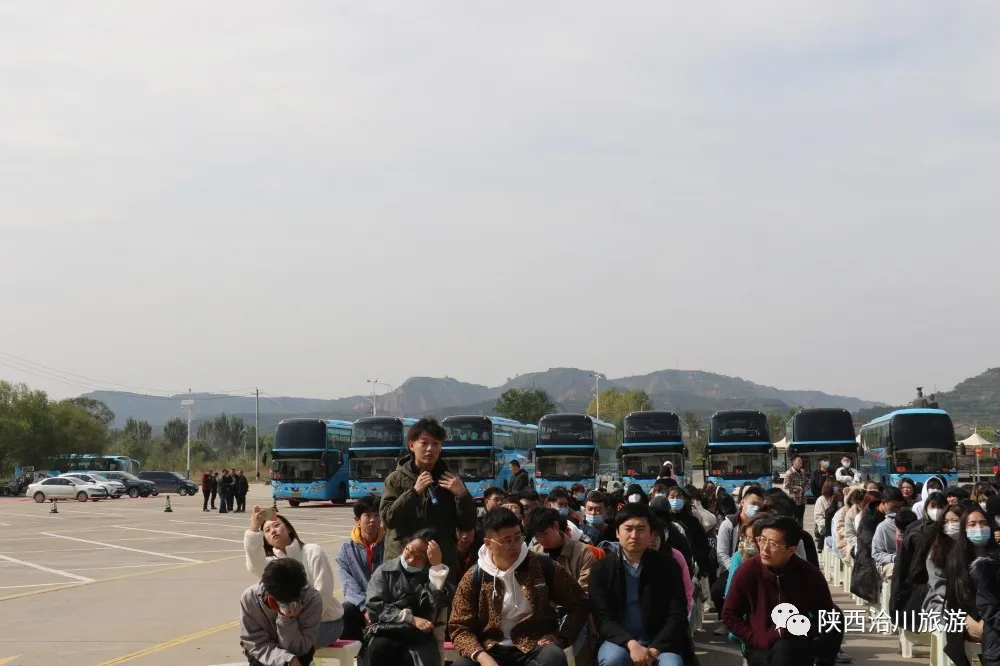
x,y
570,388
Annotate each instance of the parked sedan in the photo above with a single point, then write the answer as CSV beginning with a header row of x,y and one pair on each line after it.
x,y
170,482
134,486
66,487
115,488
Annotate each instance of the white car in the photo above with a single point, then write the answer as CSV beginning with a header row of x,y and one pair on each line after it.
x,y
64,488
115,488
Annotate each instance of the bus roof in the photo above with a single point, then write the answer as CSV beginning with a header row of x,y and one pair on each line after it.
x,y
902,412
578,416
652,412
302,419
723,412
340,423
495,420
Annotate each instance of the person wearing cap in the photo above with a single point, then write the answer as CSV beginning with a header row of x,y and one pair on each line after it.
x,y
847,474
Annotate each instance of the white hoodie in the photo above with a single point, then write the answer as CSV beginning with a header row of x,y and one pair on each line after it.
x,y
515,605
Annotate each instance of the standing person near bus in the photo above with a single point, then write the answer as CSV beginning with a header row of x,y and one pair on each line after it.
x,y
215,488
207,483
242,488
796,482
225,488
423,493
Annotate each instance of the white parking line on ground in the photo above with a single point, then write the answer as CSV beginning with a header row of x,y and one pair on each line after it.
x,y
63,550
17,587
29,515
133,550
122,566
82,579
180,534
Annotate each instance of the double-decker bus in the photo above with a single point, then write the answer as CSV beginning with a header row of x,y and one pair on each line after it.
x,y
739,450
573,448
86,462
377,444
914,443
650,439
479,449
308,460
819,433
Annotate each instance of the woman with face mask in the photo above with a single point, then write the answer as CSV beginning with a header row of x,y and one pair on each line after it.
x,y
982,492
681,511
275,538
909,586
707,518
408,596
864,576
971,539
635,495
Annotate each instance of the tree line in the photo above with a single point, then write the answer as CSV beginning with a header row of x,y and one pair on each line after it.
x,y
34,427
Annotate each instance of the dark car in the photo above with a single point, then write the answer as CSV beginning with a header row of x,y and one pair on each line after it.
x,y
134,486
170,482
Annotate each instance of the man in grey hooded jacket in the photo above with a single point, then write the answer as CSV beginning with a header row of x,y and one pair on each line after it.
x,y
280,616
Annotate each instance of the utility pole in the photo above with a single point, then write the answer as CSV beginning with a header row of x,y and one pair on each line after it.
x,y
374,383
189,404
597,392
256,433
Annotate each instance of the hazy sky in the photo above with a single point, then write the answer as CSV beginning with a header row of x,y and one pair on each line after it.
x,y
304,195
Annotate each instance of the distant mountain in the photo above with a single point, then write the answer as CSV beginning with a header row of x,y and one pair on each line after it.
x,y
975,400
570,388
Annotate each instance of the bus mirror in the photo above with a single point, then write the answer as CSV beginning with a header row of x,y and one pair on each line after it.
x,y
961,449
686,453
264,459
618,454
531,455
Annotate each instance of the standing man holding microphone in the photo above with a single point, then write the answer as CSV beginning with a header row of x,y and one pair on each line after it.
x,y
423,493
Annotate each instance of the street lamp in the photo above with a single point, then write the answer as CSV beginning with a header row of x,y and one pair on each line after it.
x,y
597,390
375,382
188,405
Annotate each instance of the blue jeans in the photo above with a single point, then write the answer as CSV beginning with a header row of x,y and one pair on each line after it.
x,y
610,654
329,632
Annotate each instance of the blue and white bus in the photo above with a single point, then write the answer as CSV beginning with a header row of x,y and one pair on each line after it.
x,y
377,444
573,448
739,450
650,439
308,460
86,462
479,449
914,443
815,434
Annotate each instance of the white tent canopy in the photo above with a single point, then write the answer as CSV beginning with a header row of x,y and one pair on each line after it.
x,y
782,444
976,442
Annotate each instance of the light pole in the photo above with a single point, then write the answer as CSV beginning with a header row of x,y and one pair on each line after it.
x,y
375,383
597,391
189,405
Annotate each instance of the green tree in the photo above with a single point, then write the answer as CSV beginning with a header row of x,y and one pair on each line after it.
x,y
524,405
697,437
776,422
236,433
615,405
140,431
95,408
175,431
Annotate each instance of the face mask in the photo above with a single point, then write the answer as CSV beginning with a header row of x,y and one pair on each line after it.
x,y
824,465
983,504
659,494
596,521
634,499
750,547
407,567
750,510
564,511
934,514
952,529
676,504
978,536
845,463
581,498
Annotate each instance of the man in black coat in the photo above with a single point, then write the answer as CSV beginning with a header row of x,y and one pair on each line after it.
x,y
242,489
637,599
519,480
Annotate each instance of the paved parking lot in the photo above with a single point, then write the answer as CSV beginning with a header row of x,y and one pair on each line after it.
x,y
121,581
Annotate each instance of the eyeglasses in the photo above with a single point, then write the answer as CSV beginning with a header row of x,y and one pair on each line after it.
x,y
766,544
510,542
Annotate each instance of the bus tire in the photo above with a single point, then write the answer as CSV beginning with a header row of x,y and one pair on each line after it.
x,y
294,503
342,496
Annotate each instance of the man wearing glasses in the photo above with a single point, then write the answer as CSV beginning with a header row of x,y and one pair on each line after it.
x,y
504,609
778,577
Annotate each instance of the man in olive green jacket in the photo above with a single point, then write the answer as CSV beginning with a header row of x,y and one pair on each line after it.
x,y
423,493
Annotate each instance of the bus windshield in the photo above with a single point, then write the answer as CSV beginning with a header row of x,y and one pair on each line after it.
x,y
740,465
923,431
924,461
377,433
471,468
300,435
729,428
372,469
479,431
823,426
566,430
565,468
649,465
299,469
653,428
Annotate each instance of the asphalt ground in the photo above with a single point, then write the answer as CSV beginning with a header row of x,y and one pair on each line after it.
x,y
123,582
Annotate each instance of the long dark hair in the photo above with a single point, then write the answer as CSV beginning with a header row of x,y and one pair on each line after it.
x,y
830,488
942,542
960,557
292,534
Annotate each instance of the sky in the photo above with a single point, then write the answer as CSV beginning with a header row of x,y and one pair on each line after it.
x,y
303,196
